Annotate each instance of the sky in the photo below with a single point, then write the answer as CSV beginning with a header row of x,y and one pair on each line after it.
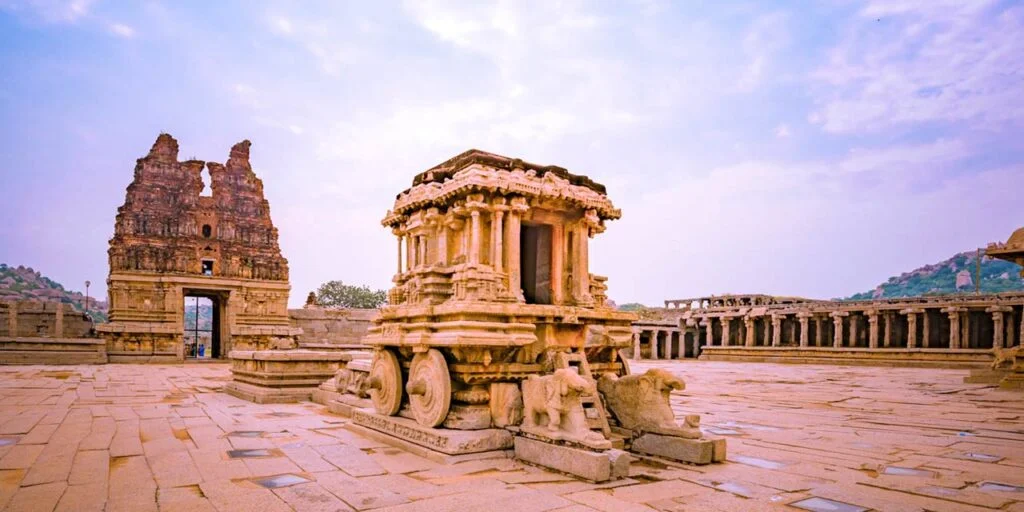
x,y
791,148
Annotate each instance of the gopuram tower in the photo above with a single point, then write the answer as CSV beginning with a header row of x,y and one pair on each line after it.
x,y
172,243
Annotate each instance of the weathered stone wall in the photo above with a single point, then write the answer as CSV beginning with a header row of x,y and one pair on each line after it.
x,y
331,326
35,319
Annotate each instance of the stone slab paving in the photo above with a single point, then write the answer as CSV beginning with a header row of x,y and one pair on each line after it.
x,y
158,437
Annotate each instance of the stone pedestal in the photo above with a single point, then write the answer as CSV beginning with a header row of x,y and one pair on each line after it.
x,y
693,451
278,376
445,441
986,376
586,464
1013,380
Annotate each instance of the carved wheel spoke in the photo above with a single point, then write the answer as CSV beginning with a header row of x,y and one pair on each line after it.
x,y
385,383
429,388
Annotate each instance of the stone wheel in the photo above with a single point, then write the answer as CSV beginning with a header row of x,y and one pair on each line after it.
x,y
429,388
625,363
385,382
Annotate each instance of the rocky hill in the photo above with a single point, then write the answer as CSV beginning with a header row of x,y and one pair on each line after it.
x,y
24,283
955,275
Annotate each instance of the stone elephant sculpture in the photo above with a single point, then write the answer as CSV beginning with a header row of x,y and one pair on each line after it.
x,y
641,403
552,408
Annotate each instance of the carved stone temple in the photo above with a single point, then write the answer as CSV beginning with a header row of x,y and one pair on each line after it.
x,y
497,334
172,243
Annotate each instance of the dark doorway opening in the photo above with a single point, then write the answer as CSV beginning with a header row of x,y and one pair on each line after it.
x,y
535,263
202,326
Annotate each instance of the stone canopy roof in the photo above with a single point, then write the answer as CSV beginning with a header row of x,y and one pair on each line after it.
x,y
475,170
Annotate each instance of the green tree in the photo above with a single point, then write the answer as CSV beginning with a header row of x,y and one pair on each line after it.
x,y
337,294
632,306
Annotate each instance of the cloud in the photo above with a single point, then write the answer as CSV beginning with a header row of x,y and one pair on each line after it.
x,y
782,131
907,63
50,11
766,36
122,30
280,25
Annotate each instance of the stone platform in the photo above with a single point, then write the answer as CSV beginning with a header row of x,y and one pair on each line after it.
x,y
139,437
39,350
278,376
902,357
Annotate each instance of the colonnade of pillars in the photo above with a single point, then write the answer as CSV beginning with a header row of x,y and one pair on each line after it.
x,y
663,343
952,327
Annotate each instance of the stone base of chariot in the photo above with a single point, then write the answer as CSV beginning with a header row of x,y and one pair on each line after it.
x,y
281,376
692,451
345,404
591,465
404,432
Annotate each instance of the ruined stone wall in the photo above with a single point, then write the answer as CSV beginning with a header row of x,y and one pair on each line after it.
x,y
331,326
34,319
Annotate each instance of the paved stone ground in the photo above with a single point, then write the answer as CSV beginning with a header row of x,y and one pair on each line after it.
x,y
127,437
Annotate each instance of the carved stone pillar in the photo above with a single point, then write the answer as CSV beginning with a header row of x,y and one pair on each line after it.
x,y
475,237
777,330
557,264
441,256
654,343
725,330
887,335
497,251
580,267
854,328
512,247
911,326
410,251
766,339
748,323
819,333
998,325
636,344
397,234
965,329
424,257
58,321
954,326
805,335
709,324
667,353
926,327
872,329
837,321
682,343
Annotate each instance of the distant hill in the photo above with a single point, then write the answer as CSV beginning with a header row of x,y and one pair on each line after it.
x,y
955,275
24,283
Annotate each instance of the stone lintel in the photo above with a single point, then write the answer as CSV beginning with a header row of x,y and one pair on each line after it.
x,y
911,311
586,464
953,309
839,314
998,309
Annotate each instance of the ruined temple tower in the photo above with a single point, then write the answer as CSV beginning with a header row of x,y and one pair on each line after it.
x,y
173,242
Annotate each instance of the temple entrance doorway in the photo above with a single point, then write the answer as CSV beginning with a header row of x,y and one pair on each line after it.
x,y
203,312
535,263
